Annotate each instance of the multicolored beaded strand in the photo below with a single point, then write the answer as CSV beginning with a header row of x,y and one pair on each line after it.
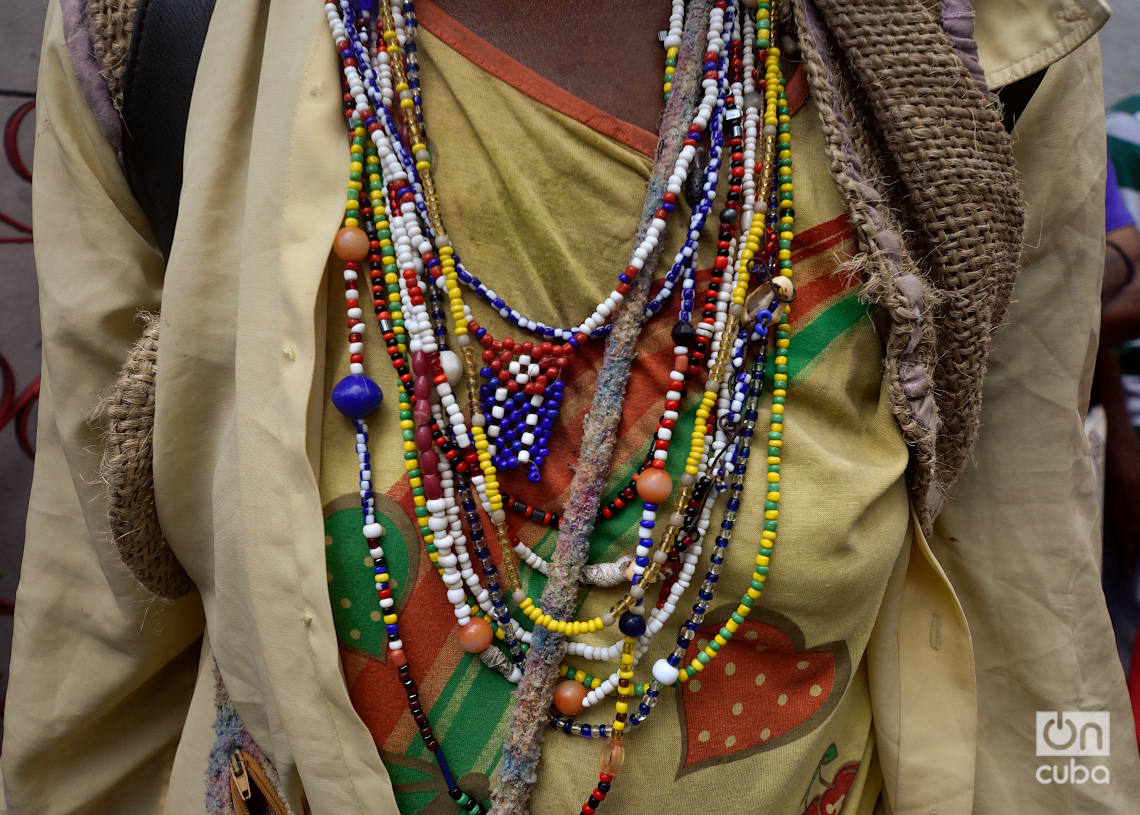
x,y
451,458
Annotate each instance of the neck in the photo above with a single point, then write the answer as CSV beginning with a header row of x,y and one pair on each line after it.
x,y
606,53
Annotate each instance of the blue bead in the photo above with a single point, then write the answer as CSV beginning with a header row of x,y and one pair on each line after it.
x,y
357,396
632,625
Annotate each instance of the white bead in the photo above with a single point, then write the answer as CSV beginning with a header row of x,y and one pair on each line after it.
x,y
665,673
452,366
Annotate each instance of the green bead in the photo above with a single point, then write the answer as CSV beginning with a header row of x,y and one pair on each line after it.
x,y
703,658
773,468
775,435
778,400
756,584
724,632
764,550
746,601
771,505
783,244
777,418
771,525
762,570
736,618
421,512
671,62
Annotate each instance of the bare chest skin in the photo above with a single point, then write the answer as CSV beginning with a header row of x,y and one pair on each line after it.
x,y
606,53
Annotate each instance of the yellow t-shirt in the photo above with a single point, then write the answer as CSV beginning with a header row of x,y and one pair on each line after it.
x,y
543,208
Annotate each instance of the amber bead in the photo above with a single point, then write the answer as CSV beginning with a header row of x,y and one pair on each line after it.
x,y
476,635
654,485
351,243
569,697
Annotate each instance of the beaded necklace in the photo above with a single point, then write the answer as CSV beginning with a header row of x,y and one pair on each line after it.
x,y
453,458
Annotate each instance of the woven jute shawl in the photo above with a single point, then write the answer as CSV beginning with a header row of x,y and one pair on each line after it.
x,y
109,26
916,146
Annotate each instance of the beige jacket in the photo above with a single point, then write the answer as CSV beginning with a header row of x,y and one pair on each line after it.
x,y
110,704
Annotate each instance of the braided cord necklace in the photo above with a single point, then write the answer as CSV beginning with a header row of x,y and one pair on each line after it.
x,y
453,459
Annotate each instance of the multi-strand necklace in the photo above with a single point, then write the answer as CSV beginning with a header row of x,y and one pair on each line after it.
x,y
393,241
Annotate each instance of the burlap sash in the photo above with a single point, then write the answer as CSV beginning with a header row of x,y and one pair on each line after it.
x,y
919,152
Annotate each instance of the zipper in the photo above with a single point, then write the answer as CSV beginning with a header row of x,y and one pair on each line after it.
x,y
250,788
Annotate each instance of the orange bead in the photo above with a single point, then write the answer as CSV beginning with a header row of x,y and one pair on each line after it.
x,y
654,485
569,697
476,636
396,657
351,243
613,757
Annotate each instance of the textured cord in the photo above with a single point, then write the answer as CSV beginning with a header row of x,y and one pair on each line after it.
x,y
522,748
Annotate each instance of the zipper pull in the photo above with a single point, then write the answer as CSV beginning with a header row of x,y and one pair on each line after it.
x,y
240,776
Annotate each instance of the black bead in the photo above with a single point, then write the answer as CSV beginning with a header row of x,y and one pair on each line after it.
x,y
684,334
